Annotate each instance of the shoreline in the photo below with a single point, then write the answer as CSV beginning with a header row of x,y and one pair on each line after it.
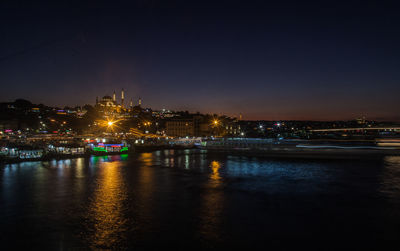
x,y
52,156
332,154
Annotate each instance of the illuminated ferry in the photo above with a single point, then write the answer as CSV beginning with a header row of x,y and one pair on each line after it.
x,y
110,148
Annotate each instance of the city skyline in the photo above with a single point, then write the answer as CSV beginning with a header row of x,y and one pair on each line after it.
x,y
199,125
286,61
137,101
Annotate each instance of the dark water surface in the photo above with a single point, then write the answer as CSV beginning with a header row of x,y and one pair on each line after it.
x,y
193,199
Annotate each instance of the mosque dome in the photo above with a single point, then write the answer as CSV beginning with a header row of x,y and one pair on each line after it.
x,y
107,97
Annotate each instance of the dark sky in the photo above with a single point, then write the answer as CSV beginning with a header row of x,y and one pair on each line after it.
x,y
284,60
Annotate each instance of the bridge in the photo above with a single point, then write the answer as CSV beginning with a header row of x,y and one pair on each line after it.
x,y
357,129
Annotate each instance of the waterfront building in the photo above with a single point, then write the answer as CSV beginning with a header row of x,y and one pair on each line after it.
x,y
189,126
30,153
180,128
21,151
202,126
73,149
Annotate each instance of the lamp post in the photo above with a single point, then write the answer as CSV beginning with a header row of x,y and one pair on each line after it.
x,y
215,124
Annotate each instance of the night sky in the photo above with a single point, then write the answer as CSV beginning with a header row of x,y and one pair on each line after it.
x,y
282,60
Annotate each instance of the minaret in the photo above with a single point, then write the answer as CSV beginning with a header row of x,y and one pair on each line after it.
x,y
131,104
140,101
114,99
97,100
122,98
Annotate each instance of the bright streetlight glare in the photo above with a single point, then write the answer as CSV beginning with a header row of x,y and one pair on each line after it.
x,y
110,123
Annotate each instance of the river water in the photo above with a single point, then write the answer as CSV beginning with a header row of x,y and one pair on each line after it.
x,y
192,199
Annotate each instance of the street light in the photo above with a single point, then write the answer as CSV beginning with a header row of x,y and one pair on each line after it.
x,y
110,123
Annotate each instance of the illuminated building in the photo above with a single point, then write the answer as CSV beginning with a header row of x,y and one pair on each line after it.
x,y
192,127
110,105
180,128
107,101
201,126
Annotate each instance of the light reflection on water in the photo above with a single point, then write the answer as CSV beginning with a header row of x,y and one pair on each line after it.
x,y
256,174
212,206
215,166
112,202
106,222
390,181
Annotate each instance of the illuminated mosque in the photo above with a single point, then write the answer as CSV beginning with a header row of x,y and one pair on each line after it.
x,y
110,104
